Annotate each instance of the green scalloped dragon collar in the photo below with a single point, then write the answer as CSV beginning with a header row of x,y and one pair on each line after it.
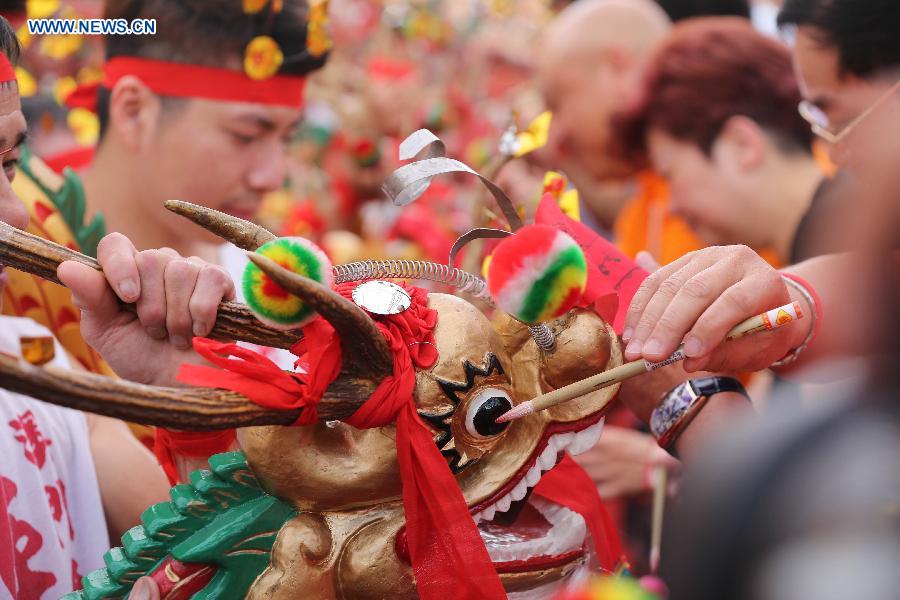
x,y
210,542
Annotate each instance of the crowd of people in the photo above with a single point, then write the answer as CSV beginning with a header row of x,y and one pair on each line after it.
x,y
741,152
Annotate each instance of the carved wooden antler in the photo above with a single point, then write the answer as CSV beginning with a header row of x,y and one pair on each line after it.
x,y
196,409
366,357
37,256
193,409
241,233
365,350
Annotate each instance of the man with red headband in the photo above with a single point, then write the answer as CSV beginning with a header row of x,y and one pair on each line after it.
x,y
61,479
199,111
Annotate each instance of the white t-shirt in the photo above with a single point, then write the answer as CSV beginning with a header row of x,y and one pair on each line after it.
x,y
52,527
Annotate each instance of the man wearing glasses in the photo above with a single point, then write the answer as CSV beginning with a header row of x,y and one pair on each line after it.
x,y
805,506
847,58
847,61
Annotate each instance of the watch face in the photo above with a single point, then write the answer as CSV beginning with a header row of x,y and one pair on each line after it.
x,y
672,408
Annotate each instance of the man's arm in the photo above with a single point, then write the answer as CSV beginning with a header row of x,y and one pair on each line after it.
x,y
176,299
129,477
701,296
838,281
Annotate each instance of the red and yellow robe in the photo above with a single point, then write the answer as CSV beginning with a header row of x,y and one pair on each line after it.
x,y
56,205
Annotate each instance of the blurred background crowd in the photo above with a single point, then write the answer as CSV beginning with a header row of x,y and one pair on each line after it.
x,y
676,137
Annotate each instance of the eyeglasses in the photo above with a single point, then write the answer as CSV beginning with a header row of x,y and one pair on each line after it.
x,y
821,126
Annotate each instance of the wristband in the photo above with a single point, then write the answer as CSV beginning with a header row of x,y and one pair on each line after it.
x,y
812,299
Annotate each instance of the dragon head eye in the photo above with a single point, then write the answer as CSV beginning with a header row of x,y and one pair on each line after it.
x,y
483,411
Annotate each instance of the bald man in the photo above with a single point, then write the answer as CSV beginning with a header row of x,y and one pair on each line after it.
x,y
589,69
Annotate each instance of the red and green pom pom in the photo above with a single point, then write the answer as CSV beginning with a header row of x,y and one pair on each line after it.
x,y
366,153
270,302
537,274
609,588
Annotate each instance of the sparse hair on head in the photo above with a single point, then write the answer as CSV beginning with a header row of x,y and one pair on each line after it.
x,y
865,33
593,25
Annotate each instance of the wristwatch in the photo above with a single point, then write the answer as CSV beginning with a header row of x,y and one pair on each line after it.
x,y
678,407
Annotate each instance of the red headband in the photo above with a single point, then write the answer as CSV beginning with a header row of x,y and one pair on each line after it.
x,y
383,68
194,81
7,72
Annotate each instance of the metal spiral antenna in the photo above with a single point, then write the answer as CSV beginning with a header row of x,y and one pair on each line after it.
x,y
413,269
430,271
543,336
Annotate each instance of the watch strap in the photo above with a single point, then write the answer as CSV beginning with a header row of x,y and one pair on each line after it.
x,y
679,406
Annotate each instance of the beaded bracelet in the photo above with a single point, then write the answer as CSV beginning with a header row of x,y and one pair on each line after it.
x,y
812,299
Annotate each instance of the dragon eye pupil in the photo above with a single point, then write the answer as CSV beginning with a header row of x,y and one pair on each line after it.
x,y
487,414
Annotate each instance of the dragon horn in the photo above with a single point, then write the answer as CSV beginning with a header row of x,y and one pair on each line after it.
x,y
241,233
191,409
37,256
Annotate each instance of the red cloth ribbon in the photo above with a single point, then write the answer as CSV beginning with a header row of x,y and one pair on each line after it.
x,y
446,550
183,80
7,72
255,376
569,485
168,444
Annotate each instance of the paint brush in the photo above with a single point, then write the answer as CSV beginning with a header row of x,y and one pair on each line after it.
x,y
771,319
660,483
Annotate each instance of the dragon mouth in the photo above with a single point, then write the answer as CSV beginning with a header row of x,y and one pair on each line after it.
x,y
530,537
525,534
544,535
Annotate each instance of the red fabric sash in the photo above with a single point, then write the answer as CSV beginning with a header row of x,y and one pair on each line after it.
x,y
259,379
183,80
7,72
265,383
446,550
192,444
569,485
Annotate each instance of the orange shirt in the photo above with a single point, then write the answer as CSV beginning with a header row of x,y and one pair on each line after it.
x,y
645,223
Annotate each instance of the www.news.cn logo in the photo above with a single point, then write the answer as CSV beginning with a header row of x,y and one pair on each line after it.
x,y
92,27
